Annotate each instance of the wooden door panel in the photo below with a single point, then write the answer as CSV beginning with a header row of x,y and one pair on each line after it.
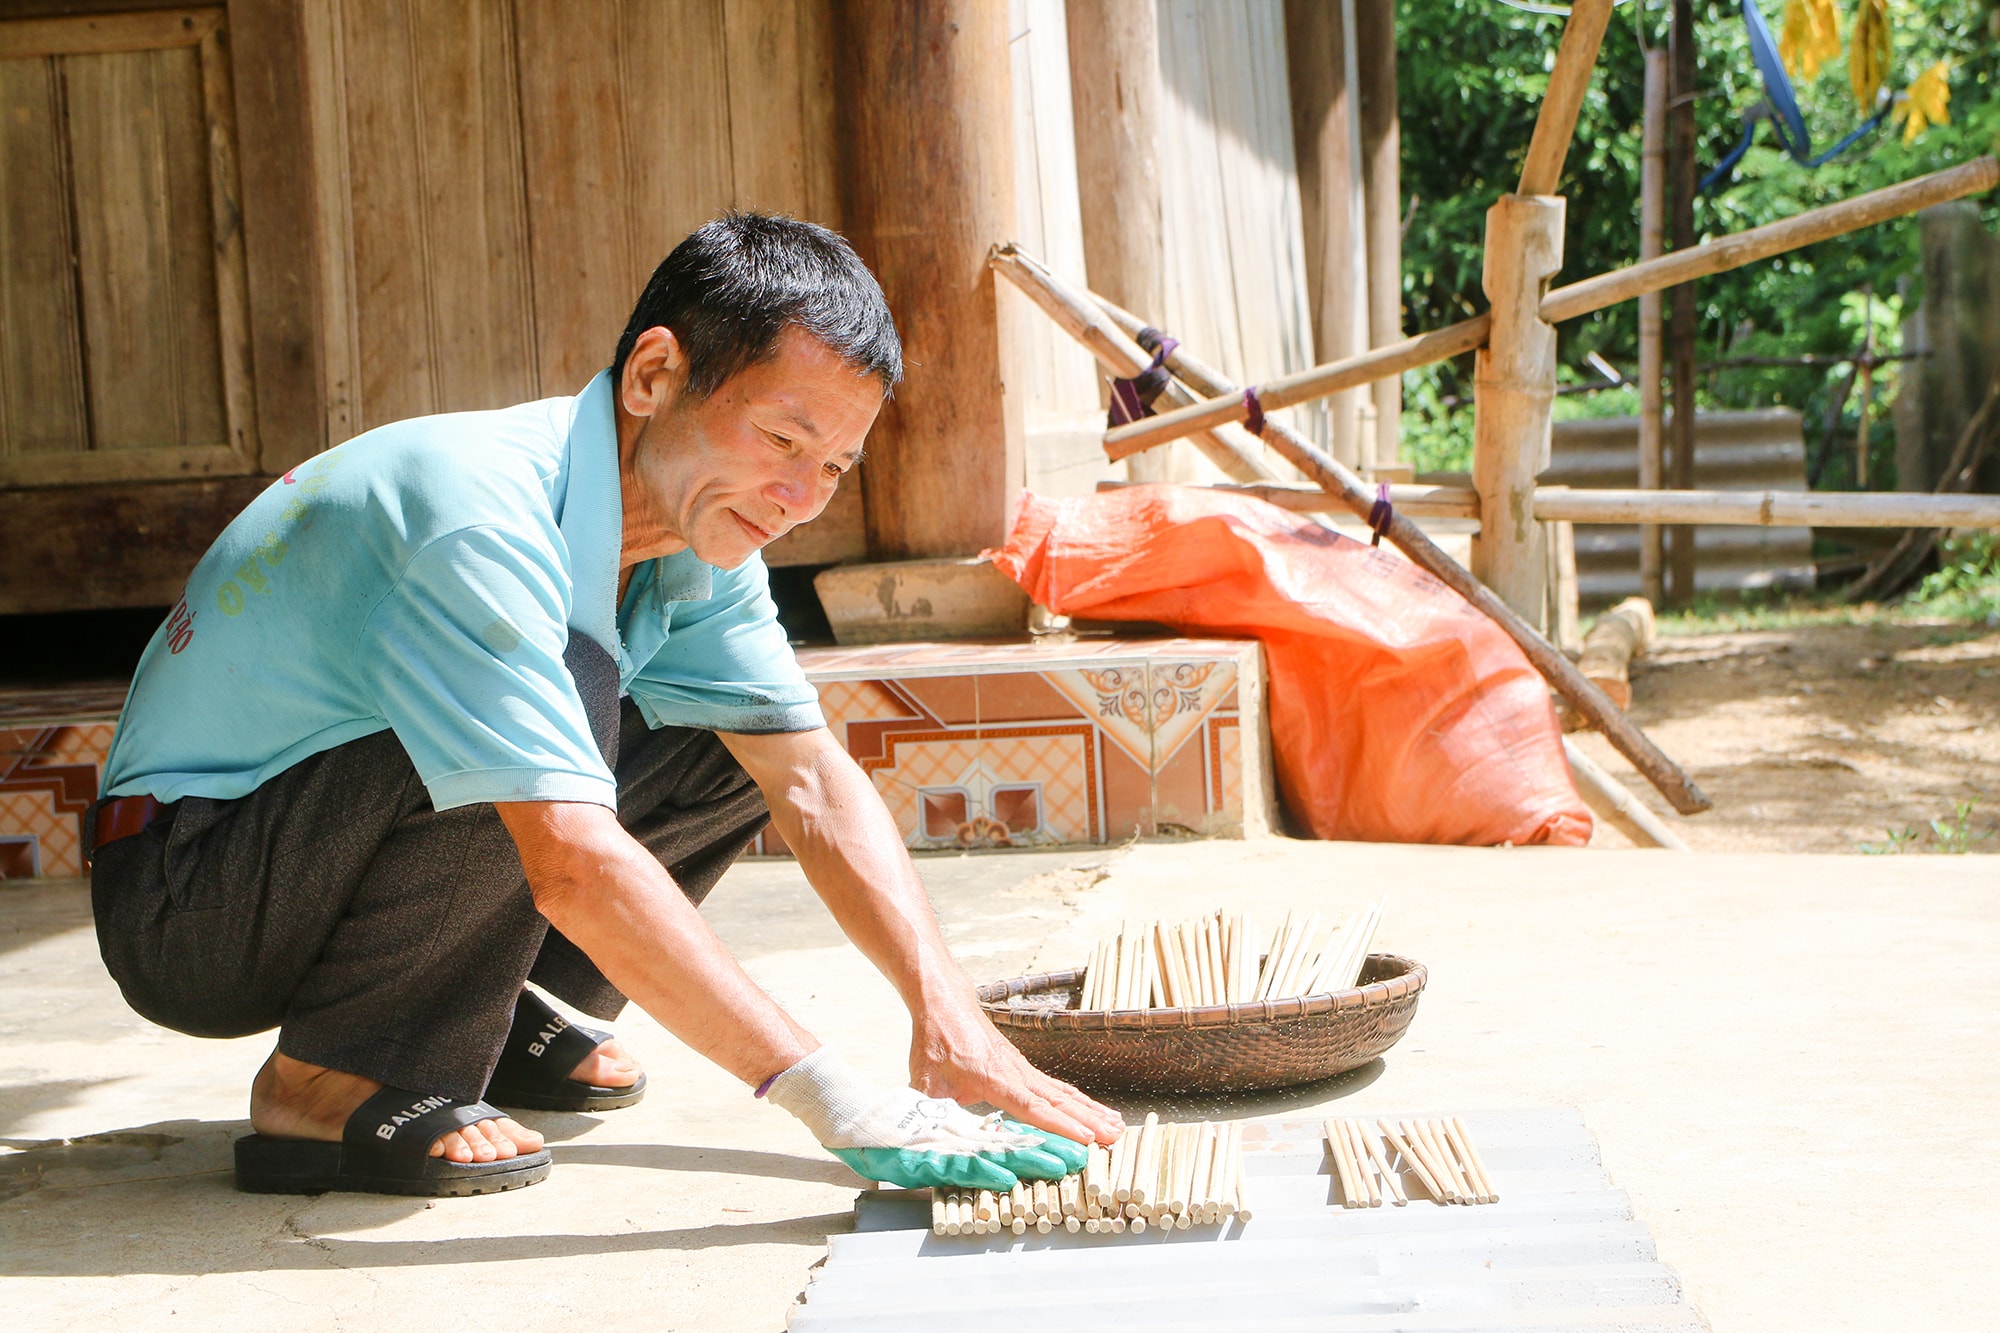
x,y
122,252
41,364
144,259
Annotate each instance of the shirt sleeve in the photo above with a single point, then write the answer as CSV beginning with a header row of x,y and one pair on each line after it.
x,y
726,664
465,660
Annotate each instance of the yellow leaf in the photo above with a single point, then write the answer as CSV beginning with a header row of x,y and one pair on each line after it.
x,y
1927,102
1798,44
1825,28
1868,52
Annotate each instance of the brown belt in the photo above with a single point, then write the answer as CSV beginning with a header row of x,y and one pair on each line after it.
x,y
120,817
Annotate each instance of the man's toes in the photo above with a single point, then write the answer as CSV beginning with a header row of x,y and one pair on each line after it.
x,y
452,1147
609,1066
487,1141
517,1135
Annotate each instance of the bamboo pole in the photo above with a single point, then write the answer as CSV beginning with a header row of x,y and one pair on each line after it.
x,y
1555,124
1652,243
1579,298
1408,538
1747,247
1609,801
1766,509
1077,317
1781,509
1378,363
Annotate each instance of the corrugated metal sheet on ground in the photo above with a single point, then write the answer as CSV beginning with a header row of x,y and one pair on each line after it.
x,y
1560,1251
1733,451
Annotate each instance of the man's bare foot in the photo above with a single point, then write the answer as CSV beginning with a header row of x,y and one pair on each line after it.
x,y
609,1066
290,1099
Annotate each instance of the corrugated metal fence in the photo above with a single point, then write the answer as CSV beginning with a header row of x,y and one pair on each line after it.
x,y
1733,451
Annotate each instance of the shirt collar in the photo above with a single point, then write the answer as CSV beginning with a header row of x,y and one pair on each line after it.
x,y
593,518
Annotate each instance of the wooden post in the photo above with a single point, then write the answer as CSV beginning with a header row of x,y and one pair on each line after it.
x,y
1114,80
1381,179
927,186
1681,183
1620,634
1321,61
1652,241
1514,388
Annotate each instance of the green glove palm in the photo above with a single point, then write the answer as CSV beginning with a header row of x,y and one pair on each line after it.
x,y
914,1168
1054,1158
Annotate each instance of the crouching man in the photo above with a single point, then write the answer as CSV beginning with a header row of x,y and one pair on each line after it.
x,y
495,697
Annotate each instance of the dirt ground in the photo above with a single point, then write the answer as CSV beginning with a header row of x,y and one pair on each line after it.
x,y
1827,737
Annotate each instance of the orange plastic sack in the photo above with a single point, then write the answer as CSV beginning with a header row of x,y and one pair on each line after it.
x,y
1398,712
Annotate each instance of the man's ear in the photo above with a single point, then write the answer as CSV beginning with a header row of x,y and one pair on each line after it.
x,y
654,373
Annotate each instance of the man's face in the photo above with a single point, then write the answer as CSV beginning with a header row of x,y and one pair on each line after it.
x,y
733,472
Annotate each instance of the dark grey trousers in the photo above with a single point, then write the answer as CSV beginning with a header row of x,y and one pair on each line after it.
x,y
381,936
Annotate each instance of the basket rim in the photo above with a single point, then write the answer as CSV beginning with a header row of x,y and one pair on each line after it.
x,y
1405,984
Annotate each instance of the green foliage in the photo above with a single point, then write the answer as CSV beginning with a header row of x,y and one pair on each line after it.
x,y
1470,79
1966,584
1952,835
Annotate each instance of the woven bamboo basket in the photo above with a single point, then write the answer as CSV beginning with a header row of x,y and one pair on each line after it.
x,y
1207,1048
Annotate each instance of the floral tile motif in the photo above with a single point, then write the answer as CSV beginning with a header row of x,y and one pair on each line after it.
x,y
1039,744
48,778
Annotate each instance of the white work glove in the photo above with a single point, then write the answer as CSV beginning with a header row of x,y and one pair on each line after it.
x,y
900,1135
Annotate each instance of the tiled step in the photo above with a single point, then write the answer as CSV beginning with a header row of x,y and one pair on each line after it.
x,y
1039,743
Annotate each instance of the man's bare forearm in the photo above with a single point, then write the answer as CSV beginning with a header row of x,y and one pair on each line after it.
x,y
852,853
620,906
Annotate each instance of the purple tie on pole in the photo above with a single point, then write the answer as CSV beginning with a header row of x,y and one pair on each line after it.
x,y
1133,397
1255,422
1381,514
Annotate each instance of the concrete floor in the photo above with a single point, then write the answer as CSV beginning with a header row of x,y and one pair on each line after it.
x,y
1786,1059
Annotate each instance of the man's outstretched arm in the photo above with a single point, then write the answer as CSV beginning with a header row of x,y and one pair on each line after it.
x,y
849,846
619,905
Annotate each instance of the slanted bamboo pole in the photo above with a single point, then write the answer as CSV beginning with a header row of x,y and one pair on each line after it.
x,y
1609,801
1555,123
1408,538
1077,317
1413,500
1378,363
1578,298
1775,238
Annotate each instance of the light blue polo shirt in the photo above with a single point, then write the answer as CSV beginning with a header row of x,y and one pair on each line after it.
x,y
424,578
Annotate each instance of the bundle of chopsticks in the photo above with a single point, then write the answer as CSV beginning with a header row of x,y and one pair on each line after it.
x,y
1221,959
1439,1152
1169,1176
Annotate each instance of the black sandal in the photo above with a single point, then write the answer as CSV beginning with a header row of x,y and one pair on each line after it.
x,y
542,1048
385,1149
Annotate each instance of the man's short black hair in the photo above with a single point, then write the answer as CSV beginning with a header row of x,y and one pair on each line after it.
x,y
731,289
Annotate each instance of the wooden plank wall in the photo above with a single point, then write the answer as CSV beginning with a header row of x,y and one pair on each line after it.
x,y
500,177
1063,416
124,351
1236,288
